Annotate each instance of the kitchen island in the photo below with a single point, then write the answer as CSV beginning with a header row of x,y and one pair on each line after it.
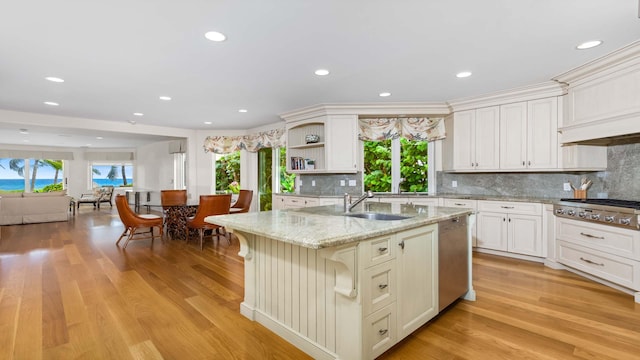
x,y
343,287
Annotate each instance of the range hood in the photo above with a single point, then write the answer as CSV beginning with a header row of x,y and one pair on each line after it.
x,y
611,140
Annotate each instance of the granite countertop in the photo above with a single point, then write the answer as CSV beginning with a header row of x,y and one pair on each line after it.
x,y
326,226
522,198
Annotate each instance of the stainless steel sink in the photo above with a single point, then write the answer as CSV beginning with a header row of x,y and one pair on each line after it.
x,y
377,216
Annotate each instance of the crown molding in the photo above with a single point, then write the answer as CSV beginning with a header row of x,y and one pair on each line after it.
x,y
525,93
622,58
377,109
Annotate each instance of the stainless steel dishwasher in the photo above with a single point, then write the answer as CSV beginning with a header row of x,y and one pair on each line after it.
x,y
453,265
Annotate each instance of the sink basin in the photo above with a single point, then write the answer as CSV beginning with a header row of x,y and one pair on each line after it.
x,y
377,216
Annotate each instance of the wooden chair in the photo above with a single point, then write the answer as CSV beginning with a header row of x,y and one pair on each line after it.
x,y
243,204
209,205
134,223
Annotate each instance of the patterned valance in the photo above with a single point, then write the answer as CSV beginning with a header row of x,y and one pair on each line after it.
x,y
252,143
411,128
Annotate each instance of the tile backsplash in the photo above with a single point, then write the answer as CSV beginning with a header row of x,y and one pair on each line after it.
x,y
621,180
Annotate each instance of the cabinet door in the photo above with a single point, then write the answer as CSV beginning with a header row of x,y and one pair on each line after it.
x,y
542,134
417,269
340,144
513,136
492,231
487,138
525,234
463,141
277,202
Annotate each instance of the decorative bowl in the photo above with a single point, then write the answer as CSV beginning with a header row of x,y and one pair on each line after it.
x,y
311,138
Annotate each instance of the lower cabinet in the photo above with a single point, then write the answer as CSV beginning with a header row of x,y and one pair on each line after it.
x,y
293,202
399,286
514,227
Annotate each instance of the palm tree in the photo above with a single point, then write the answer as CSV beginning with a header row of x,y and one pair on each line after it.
x,y
57,165
17,165
112,175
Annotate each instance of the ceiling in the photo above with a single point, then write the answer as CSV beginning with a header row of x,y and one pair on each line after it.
x,y
118,57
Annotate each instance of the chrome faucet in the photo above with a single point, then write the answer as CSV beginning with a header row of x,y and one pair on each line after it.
x,y
348,206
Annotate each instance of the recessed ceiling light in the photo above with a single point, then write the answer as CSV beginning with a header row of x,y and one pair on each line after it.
x,y
132,122
87,145
138,114
463,74
589,44
207,122
165,98
384,94
24,131
243,110
215,36
99,137
25,140
51,103
322,72
54,79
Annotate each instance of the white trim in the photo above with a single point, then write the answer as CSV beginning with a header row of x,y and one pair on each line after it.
x,y
525,93
424,108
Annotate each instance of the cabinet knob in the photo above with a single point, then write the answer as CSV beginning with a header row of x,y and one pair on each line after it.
x,y
523,163
401,244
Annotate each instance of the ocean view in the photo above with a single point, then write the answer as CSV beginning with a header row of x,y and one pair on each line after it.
x,y
18,184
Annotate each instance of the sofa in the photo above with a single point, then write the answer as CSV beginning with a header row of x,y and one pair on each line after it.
x,y
27,208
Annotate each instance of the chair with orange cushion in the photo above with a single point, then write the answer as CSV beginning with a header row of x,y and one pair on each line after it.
x,y
135,224
243,204
209,205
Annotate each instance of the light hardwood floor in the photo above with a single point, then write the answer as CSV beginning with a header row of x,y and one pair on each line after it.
x,y
67,292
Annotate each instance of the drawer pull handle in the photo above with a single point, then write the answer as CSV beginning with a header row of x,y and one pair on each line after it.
x,y
592,236
383,286
459,204
382,249
591,262
383,331
507,207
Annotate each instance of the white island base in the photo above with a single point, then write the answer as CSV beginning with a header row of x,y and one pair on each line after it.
x,y
351,301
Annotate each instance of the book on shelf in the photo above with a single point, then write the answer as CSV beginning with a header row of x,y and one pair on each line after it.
x,y
297,163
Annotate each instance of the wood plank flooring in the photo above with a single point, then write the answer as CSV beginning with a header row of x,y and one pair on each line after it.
x,y
67,292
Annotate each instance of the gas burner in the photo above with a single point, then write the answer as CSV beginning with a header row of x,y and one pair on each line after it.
x,y
622,213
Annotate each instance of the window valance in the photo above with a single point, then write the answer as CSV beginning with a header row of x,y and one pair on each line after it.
x,y
34,154
109,156
411,128
251,143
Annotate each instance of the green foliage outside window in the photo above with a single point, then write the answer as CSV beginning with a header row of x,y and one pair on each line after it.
x,y
287,181
228,173
413,165
377,166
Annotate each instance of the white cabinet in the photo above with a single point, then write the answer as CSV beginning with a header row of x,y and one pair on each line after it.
x,y
293,202
335,150
529,135
399,286
514,227
608,252
417,267
473,140
468,204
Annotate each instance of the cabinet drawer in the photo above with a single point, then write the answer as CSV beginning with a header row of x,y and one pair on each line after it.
x,y
522,208
379,332
610,267
377,251
291,202
461,203
611,239
378,287
424,201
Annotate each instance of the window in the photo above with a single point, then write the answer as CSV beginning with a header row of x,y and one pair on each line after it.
x,y
227,177
287,181
31,175
180,171
111,174
397,163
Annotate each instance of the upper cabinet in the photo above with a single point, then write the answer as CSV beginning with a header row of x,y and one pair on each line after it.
x,y
529,135
472,140
514,131
602,98
322,144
